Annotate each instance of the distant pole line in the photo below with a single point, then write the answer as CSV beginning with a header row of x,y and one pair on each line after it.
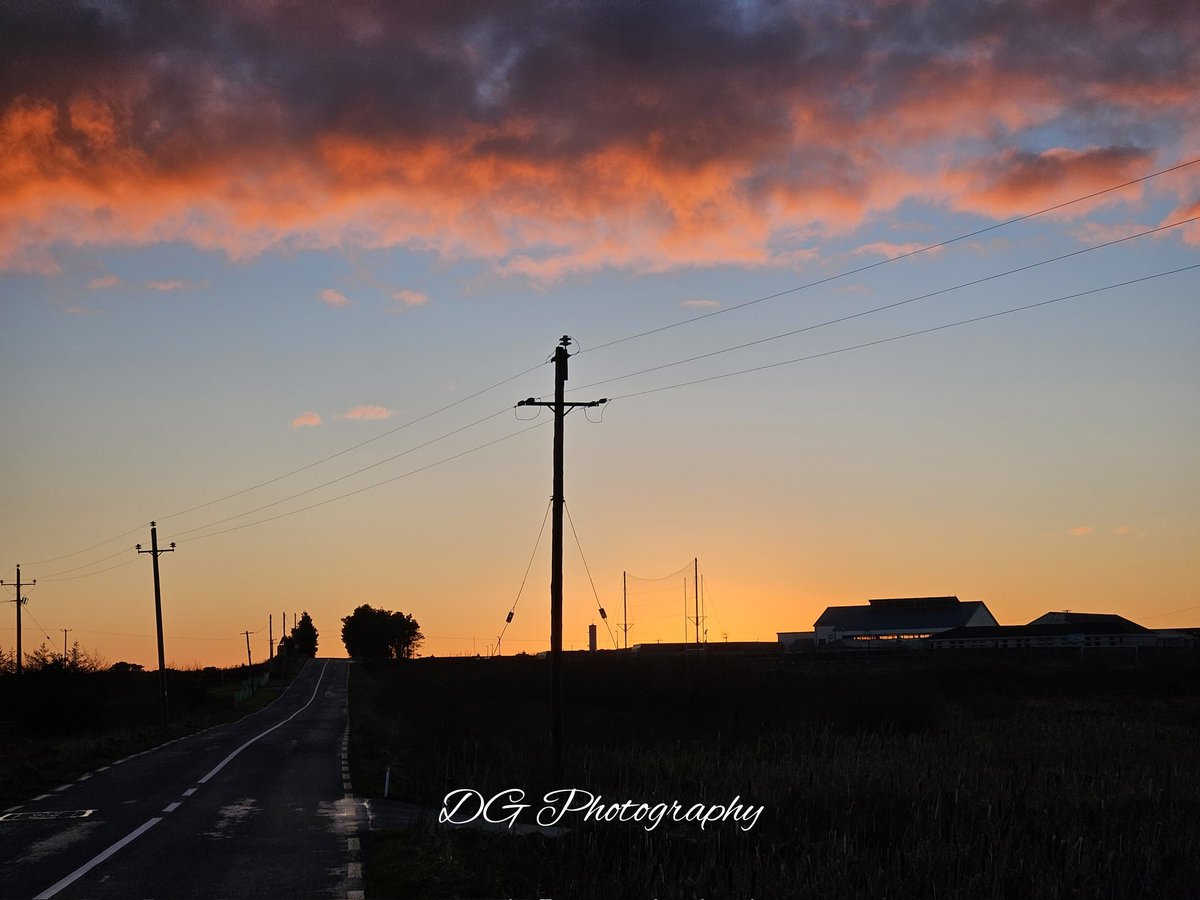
x,y
560,407
19,601
64,631
154,552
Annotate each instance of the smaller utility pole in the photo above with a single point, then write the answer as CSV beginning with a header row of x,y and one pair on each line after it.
x,y
162,665
625,606
270,636
64,631
249,662
20,601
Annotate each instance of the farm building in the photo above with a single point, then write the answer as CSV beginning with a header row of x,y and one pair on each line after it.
x,y
898,619
1064,629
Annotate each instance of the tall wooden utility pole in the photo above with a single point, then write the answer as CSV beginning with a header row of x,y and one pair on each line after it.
x,y
162,665
560,407
20,601
249,661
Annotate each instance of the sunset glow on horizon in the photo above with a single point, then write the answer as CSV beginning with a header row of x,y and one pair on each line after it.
x,y
269,272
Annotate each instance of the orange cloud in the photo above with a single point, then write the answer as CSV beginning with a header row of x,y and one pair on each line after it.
x,y
308,419
542,142
333,298
368,413
1080,530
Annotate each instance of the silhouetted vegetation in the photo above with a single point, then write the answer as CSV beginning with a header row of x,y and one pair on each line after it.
x,y
380,634
302,639
982,777
59,720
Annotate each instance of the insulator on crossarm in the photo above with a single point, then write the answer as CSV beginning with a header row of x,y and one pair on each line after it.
x,y
603,614
509,619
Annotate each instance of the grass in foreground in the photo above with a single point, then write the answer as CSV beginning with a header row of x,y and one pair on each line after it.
x,y
981,778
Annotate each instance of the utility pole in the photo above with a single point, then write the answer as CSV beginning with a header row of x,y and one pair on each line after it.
x,y
64,631
270,636
162,666
560,407
249,662
696,591
20,601
625,605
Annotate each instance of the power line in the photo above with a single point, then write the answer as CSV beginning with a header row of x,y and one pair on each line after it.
x,y
370,487
92,547
910,334
288,474
377,437
127,562
906,255
603,614
887,306
1171,613
512,611
344,477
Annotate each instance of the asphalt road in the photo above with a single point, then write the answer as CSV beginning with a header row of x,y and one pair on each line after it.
x,y
257,808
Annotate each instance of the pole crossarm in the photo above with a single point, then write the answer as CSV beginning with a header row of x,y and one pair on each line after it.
x,y
535,402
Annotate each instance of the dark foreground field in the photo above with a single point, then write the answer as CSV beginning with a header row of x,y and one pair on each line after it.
x,y
970,777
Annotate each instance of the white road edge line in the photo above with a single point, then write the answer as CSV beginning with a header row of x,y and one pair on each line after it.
x,y
189,792
223,763
96,860
171,807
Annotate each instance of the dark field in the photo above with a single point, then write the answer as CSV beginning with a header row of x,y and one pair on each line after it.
x,y
959,777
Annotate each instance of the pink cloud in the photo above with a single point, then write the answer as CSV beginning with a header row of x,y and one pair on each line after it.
x,y
173,284
368,413
226,136
697,303
411,298
308,419
333,298
106,281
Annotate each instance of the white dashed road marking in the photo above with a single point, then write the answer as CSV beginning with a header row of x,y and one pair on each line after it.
x,y
95,861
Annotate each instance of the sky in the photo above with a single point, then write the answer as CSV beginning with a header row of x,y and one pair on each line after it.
x,y
912,281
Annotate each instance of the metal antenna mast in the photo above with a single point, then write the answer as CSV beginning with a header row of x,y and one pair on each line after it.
x,y
560,407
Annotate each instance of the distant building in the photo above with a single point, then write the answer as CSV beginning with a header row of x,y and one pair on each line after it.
x,y
898,619
797,640
1054,629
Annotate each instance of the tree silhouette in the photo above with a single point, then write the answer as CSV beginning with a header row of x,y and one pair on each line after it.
x,y
370,633
304,636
